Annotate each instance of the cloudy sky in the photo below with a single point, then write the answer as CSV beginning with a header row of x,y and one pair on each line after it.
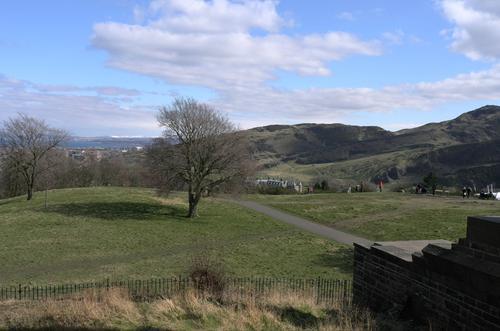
x,y
104,67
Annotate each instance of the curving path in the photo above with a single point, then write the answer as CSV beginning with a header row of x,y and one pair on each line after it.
x,y
321,230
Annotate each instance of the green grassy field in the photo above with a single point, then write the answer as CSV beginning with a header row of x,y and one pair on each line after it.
x,y
386,216
121,233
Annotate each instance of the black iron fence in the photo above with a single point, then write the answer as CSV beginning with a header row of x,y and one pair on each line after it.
x,y
321,290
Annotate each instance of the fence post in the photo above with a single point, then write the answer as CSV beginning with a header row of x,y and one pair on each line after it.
x,y
344,299
317,291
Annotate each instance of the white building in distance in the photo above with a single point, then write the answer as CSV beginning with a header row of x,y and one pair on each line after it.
x,y
280,183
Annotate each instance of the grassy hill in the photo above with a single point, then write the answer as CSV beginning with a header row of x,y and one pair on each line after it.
x,y
121,233
386,216
462,150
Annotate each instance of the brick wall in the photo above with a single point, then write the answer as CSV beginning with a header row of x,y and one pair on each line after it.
x,y
419,290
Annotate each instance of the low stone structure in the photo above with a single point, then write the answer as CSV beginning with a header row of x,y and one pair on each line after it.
x,y
451,286
280,183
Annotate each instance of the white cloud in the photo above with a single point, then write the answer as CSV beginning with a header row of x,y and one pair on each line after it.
x,y
476,30
217,16
98,90
395,37
480,85
66,107
214,44
338,104
401,126
235,48
211,44
399,37
139,15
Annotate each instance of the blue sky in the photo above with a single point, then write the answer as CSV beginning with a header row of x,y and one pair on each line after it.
x,y
99,67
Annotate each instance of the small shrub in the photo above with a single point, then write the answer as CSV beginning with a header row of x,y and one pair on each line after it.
x,y
324,185
208,275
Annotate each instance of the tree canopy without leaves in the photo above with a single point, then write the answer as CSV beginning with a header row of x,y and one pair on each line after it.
x,y
24,143
201,148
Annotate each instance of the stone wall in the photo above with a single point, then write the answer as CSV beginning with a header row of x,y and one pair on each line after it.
x,y
449,286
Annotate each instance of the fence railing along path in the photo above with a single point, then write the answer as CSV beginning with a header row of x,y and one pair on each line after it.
x,y
322,290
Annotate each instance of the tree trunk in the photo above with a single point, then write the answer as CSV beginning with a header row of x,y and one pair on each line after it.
x,y
30,193
194,198
31,185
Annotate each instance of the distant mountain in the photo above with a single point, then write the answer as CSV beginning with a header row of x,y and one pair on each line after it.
x,y
465,149
108,142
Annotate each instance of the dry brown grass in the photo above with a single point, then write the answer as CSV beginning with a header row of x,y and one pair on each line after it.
x,y
114,309
92,309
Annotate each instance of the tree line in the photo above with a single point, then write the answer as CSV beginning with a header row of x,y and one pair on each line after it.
x,y
57,171
200,152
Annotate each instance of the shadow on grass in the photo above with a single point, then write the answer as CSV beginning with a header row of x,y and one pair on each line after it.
x,y
297,317
341,258
119,211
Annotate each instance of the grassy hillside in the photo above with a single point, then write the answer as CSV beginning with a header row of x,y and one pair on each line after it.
x,y
95,233
462,150
350,170
386,216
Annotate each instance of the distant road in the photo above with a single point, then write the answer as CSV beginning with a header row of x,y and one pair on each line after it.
x,y
318,229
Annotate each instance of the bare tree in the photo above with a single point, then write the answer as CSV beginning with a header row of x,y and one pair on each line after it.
x,y
205,149
26,141
162,171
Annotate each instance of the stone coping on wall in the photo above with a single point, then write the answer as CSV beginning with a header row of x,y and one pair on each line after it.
x,y
405,249
402,251
443,255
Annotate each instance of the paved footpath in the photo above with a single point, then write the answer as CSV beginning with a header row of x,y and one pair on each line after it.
x,y
321,230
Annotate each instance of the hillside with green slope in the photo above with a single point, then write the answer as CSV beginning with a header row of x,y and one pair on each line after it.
x,y
462,150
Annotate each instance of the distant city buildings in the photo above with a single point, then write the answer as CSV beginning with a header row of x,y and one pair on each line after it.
x,y
86,154
82,154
